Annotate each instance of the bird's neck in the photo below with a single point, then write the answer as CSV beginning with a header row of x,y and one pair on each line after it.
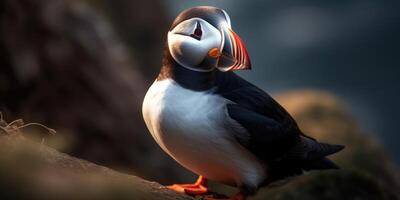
x,y
194,80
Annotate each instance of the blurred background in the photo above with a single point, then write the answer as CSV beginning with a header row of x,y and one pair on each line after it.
x,y
83,67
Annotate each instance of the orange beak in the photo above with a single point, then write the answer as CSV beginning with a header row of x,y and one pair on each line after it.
x,y
234,55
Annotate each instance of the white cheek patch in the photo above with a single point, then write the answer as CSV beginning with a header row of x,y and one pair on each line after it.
x,y
190,52
185,50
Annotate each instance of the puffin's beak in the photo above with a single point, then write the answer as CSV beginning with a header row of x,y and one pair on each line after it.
x,y
234,54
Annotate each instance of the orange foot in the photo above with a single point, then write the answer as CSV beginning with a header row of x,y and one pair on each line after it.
x,y
200,187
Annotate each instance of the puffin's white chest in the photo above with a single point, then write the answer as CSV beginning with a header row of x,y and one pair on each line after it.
x,y
194,129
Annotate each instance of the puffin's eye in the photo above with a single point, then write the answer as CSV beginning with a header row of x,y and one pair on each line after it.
x,y
197,32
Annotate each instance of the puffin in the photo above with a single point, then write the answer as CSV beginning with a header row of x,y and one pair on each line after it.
x,y
215,123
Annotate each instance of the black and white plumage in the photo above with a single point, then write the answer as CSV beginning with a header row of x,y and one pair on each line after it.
x,y
217,124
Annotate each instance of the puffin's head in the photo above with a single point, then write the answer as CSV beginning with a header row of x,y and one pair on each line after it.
x,y
201,39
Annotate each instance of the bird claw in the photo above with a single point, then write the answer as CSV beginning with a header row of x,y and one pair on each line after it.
x,y
190,189
200,187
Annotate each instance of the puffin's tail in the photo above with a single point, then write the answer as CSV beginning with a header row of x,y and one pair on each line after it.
x,y
305,156
310,149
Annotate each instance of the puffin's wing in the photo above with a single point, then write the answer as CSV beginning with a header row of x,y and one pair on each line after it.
x,y
268,139
270,126
274,134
